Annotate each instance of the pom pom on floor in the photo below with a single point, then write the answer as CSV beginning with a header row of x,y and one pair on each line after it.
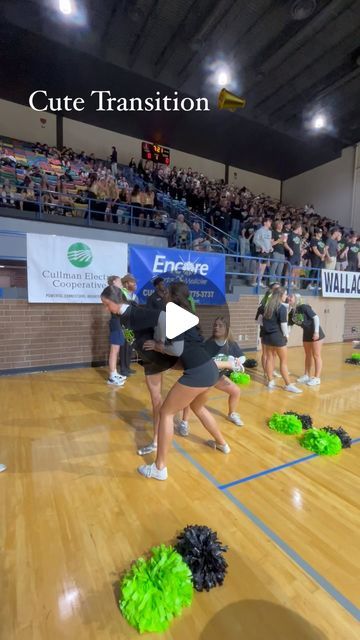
x,y
355,356
240,378
250,363
203,553
304,418
321,442
155,591
288,424
342,434
355,359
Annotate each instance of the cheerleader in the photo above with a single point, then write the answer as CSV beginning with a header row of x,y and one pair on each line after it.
x,y
313,337
200,374
117,340
275,336
223,341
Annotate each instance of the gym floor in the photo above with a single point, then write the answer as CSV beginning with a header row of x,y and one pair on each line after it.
x,y
75,514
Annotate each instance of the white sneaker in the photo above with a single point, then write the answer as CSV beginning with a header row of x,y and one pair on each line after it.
x,y
224,448
151,471
276,374
2,467
182,428
313,382
271,384
303,379
235,418
116,381
292,388
149,448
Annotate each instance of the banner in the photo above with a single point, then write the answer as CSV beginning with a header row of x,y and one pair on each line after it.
x,y
340,284
63,269
204,273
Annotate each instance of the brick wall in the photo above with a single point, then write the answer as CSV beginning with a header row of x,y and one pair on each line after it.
x,y
37,335
352,319
40,335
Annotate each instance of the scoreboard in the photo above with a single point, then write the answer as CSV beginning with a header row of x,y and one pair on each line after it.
x,y
155,152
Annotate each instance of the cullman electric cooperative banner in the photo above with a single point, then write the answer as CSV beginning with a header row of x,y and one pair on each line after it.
x,y
62,269
340,284
204,273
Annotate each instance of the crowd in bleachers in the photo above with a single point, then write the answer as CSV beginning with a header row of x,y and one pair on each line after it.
x,y
193,211
299,236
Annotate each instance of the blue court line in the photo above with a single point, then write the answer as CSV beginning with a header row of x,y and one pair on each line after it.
x,y
291,553
266,472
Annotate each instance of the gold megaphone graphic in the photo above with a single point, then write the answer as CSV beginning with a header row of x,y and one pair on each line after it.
x,y
230,101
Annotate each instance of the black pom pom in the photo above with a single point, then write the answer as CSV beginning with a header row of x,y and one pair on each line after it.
x,y
250,363
342,434
203,553
306,420
352,361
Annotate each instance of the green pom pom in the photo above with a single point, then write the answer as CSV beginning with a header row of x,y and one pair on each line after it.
x,y
155,591
288,424
321,442
355,356
240,378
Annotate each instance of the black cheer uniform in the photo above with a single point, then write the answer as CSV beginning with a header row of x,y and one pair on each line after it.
x,y
272,335
303,316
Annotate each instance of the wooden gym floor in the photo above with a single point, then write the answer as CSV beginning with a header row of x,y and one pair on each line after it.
x,y
74,513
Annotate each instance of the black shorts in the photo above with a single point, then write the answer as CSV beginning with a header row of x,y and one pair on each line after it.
x,y
264,257
294,260
154,362
275,339
117,338
206,375
308,335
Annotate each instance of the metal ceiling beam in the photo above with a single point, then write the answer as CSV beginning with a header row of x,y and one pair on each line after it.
x,y
219,11
294,45
139,41
169,48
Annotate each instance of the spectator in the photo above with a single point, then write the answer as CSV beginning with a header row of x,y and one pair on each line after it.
x,y
136,201
113,160
294,249
263,248
341,258
157,221
158,299
353,253
279,243
317,257
198,239
132,165
182,232
332,245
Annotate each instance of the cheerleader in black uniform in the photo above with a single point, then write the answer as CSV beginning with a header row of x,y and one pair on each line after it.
x,y
275,337
313,337
142,322
139,322
200,374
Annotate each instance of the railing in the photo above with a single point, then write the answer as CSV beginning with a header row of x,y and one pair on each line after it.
x,y
249,274
134,217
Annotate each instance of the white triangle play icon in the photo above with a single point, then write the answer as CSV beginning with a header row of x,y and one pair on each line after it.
x,y
178,320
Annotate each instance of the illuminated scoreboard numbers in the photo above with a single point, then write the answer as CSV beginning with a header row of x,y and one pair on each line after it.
x,y
155,152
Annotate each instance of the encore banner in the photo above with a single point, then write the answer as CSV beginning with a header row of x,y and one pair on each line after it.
x,y
71,270
204,273
340,284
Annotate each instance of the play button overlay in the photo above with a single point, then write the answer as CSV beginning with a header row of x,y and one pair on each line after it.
x,y
178,320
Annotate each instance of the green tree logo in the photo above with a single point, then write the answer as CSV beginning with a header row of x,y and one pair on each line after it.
x,y
79,254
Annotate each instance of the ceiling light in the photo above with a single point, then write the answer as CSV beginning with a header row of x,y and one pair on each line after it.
x,y
223,78
65,7
319,121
